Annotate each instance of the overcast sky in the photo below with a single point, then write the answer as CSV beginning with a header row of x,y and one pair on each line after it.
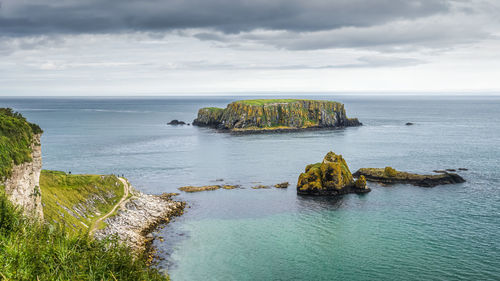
x,y
159,47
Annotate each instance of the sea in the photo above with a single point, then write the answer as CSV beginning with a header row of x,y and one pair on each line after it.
x,y
397,232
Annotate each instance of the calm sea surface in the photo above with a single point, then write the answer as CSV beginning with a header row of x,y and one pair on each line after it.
x,y
399,232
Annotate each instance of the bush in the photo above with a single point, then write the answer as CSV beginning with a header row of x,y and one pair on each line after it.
x,y
390,172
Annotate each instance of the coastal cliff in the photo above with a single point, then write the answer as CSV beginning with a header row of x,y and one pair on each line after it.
x,y
275,115
21,162
330,177
23,185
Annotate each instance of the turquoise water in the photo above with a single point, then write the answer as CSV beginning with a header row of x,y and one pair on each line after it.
x,y
393,233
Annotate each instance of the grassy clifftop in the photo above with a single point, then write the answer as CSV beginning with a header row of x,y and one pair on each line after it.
x,y
77,201
275,114
16,137
30,250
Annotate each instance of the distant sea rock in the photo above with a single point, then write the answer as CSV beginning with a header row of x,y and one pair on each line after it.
x,y
330,177
392,176
176,122
272,115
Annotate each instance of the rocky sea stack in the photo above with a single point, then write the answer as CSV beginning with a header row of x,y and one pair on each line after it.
x,y
391,176
275,115
330,177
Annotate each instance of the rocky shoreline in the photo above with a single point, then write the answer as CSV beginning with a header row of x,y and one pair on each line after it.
x,y
140,216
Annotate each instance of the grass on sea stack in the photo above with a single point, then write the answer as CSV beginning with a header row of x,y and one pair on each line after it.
x,y
266,101
261,102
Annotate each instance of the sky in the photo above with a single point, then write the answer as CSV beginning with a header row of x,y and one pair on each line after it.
x,y
198,47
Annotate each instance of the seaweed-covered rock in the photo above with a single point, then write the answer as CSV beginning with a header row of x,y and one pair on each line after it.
x,y
392,176
275,115
330,177
282,185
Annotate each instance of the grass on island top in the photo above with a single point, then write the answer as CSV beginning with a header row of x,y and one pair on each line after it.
x,y
16,136
77,201
271,101
30,250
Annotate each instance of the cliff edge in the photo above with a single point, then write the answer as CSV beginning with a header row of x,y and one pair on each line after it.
x,y
275,115
20,161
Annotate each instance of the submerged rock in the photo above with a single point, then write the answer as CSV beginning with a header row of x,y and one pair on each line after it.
x,y
282,185
273,115
199,188
207,187
260,186
330,177
176,122
392,176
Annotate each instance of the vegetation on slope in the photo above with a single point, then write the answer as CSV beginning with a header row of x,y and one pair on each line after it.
x,y
30,250
77,201
16,136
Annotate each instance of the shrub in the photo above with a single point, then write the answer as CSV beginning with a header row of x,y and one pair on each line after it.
x,y
390,172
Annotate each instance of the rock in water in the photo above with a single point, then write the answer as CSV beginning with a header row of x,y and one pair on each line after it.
x,y
330,177
282,185
176,122
392,176
268,115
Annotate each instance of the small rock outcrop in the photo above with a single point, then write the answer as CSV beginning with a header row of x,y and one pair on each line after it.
x,y
268,115
176,122
392,176
330,177
190,188
282,185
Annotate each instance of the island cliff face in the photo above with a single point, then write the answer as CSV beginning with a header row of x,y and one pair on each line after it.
x,y
275,114
23,185
330,177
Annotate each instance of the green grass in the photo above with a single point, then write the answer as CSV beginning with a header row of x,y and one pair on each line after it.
x,y
270,101
63,194
30,250
16,136
266,101
212,109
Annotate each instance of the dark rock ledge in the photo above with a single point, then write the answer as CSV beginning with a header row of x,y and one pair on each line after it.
x,y
392,176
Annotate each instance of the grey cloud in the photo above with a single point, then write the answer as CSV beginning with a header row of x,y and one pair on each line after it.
x,y
361,62
29,17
